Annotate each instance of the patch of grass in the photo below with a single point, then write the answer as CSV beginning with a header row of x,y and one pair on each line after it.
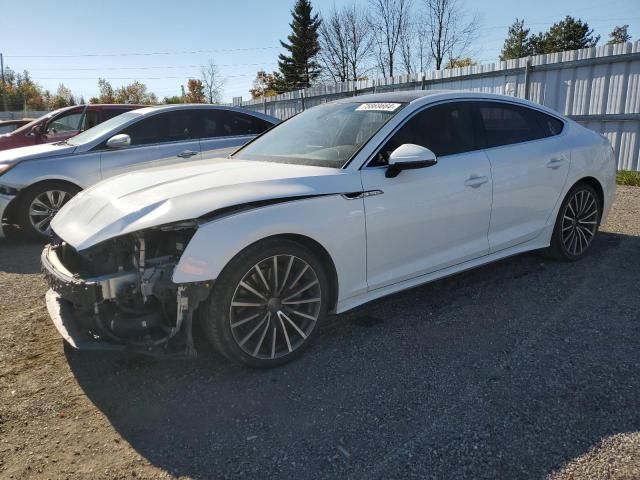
x,y
627,177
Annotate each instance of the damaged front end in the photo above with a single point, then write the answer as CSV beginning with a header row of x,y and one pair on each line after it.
x,y
119,293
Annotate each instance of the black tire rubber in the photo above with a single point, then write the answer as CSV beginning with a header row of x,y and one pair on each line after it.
x,y
557,249
22,210
214,312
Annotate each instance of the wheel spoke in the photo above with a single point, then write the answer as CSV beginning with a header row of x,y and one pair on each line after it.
x,y
281,314
261,275
41,224
286,274
255,329
298,302
248,319
286,335
247,304
273,342
303,315
275,273
302,290
248,287
264,334
297,279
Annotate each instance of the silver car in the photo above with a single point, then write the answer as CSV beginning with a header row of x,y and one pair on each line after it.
x,y
36,181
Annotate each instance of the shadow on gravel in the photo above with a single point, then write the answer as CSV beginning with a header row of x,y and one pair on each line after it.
x,y
19,254
505,371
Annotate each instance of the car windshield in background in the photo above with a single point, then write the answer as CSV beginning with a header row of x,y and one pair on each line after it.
x,y
326,135
99,130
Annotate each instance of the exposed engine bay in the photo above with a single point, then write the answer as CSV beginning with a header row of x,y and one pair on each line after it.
x,y
121,292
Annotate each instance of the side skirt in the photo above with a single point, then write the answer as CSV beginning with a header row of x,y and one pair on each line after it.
x,y
541,241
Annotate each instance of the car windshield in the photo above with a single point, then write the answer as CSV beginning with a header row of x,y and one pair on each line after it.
x,y
30,125
326,135
99,130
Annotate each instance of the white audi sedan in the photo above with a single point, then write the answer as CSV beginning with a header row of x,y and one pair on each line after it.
x,y
342,204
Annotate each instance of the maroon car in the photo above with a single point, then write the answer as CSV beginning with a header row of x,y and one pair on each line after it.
x,y
62,124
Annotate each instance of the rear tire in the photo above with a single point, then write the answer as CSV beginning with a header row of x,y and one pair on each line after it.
x,y
39,204
577,224
266,304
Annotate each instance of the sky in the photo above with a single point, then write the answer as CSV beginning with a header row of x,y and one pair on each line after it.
x,y
163,43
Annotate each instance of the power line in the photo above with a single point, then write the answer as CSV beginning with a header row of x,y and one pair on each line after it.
x,y
138,54
159,67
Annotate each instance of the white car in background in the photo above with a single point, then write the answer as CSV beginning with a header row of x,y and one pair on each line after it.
x,y
342,204
36,181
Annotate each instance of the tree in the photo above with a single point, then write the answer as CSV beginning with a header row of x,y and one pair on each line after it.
x,y
451,30
195,91
619,34
62,98
173,99
460,62
135,93
106,93
299,67
266,84
568,34
19,91
389,20
517,44
345,41
212,82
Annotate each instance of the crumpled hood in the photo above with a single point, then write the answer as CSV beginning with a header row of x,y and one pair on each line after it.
x,y
157,196
20,154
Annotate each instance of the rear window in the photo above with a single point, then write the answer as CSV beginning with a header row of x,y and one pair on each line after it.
x,y
506,124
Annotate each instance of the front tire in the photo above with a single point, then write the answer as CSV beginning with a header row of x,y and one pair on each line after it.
x,y
577,223
39,204
266,304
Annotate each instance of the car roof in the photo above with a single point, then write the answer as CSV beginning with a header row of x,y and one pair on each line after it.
x,y
204,106
423,97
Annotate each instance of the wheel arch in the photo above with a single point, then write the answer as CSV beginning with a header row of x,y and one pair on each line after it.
x,y
596,185
12,209
324,256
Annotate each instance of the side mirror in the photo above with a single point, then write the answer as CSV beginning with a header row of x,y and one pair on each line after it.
x,y
122,140
36,131
409,156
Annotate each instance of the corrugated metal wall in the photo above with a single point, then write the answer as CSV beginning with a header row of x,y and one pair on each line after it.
x,y
598,87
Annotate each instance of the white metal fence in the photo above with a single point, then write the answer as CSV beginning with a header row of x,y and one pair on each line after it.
x,y
598,87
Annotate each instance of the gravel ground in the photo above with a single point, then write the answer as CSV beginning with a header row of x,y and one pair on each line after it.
x,y
526,368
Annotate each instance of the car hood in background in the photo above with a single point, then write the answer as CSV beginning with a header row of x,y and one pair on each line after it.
x,y
33,152
158,196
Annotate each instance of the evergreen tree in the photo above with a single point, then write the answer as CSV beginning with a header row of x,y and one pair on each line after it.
x,y
568,34
517,44
619,35
299,67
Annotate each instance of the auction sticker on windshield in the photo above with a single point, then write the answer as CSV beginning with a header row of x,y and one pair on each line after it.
x,y
378,107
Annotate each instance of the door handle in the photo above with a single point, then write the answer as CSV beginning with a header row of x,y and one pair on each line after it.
x,y
555,163
474,181
187,154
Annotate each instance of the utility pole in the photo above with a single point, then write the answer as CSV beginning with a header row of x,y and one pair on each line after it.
x,y
4,85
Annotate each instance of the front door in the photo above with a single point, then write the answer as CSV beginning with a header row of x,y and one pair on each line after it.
x,y
162,139
428,219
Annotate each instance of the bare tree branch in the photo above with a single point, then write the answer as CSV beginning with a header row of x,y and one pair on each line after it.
x,y
212,82
346,42
451,30
389,20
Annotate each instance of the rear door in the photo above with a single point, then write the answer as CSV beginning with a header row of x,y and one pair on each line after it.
x,y
160,139
225,130
529,165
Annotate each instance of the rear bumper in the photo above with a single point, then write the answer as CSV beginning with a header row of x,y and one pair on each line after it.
x,y
5,200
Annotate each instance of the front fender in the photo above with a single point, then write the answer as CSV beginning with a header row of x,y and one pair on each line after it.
x,y
334,221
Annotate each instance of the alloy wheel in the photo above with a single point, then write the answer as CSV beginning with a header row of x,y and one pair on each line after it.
x,y
275,307
45,206
579,222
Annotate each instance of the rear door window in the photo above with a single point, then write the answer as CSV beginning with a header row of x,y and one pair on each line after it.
x,y
227,123
506,124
